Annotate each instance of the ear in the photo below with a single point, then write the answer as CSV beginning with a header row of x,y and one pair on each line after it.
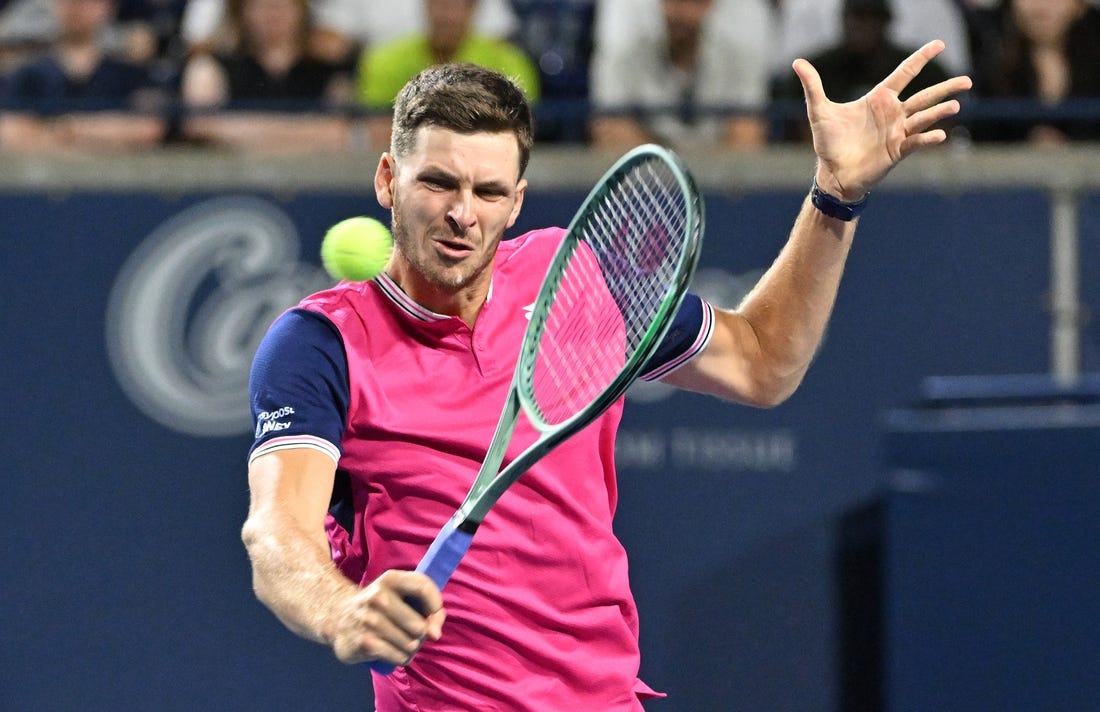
x,y
384,178
521,191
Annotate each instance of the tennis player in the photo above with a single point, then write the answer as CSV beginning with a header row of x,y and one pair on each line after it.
x,y
375,401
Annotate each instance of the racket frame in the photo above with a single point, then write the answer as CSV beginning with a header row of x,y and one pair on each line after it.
x,y
491,482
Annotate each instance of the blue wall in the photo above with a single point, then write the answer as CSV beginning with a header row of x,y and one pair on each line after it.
x,y
990,557
125,584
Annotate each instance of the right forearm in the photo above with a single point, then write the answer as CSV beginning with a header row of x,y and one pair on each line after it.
x,y
293,575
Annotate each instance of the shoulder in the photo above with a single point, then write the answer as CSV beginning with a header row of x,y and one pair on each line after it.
x,y
530,250
624,67
340,302
301,325
503,56
399,50
491,46
297,338
384,68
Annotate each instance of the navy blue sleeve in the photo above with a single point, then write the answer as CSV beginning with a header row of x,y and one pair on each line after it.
x,y
298,387
689,334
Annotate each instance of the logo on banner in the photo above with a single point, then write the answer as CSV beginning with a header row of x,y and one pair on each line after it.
x,y
191,304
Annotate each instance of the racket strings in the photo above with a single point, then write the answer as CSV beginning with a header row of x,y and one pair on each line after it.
x,y
611,290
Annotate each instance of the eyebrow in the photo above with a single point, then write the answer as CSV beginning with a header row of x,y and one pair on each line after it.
x,y
444,176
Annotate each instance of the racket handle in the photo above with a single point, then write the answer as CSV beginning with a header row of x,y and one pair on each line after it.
x,y
439,563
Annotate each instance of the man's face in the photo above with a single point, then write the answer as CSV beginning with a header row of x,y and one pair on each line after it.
x,y
864,31
452,196
83,19
1047,21
273,20
448,22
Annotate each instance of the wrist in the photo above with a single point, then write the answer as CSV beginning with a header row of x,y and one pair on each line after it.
x,y
835,207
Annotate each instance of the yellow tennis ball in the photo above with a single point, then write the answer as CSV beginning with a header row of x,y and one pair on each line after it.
x,y
356,249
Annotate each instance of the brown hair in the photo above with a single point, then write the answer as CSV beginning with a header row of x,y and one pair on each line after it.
x,y
465,98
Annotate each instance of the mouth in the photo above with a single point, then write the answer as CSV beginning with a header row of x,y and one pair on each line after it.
x,y
452,248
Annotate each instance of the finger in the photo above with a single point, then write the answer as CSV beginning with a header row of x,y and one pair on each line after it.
x,y
435,623
811,83
401,622
919,141
911,66
935,94
921,120
410,594
420,590
371,635
387,606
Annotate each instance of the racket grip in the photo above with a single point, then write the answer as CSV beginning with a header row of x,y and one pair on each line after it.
x,y
438,564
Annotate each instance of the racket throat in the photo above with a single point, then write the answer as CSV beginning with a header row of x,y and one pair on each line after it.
x,y
468,525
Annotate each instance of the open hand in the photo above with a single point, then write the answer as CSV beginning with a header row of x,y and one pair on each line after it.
x,y
858,142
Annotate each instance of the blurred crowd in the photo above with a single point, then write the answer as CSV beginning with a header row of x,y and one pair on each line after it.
x,y
320,75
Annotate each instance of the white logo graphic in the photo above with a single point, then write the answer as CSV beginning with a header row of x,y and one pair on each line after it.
x,y
190,305
268,421
528,311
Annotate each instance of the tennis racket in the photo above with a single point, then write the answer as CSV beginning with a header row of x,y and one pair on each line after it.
x,y
608,298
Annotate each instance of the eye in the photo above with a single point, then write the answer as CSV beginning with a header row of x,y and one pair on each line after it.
x,y
437,181
492,193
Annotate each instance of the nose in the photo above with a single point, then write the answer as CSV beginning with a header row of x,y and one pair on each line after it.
x,y
461,215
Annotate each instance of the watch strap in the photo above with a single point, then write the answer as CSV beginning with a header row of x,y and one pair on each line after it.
x,y
833,206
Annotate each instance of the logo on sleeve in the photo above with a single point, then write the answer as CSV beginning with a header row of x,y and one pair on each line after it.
x,y
271,421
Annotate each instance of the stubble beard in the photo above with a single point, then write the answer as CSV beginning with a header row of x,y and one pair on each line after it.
x,y
427,264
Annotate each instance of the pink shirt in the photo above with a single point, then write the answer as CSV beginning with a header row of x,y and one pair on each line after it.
x,y
539,613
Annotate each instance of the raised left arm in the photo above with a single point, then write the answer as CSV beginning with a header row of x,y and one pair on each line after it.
x,y
761,350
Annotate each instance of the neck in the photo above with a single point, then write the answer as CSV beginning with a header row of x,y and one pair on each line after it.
x,y
682,52
464,302
442,55
443,49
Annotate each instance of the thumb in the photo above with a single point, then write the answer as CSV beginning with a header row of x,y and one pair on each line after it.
x,y
811,84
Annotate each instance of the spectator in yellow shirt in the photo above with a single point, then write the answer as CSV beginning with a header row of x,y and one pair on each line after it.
x,y
386,67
